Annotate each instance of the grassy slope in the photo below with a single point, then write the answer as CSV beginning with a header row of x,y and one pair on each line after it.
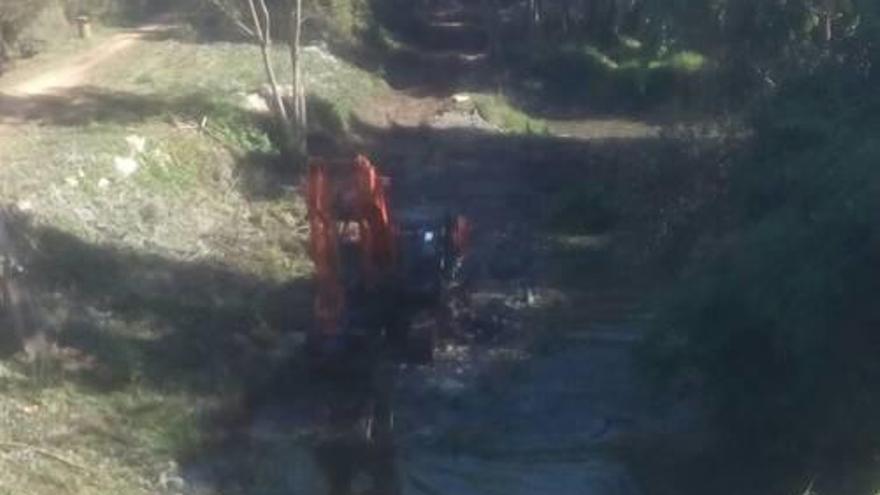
x,y
55,40
151,274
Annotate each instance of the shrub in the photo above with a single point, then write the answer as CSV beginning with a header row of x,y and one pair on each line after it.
x,y
498,110
15,16
779,322
686,62
573,73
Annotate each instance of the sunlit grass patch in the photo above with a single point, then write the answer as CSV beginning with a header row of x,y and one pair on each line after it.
x,y
684,62
497,110
225,73
629,74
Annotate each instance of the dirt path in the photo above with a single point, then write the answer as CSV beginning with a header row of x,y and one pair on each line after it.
x,y
25,99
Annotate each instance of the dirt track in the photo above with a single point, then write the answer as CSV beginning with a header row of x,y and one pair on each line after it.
x,y
24,98
74,72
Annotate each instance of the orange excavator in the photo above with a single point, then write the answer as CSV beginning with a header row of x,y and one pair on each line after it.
x,y
382,276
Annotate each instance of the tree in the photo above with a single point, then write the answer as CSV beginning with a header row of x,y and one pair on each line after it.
x,y
491,13
299,116
15,15
253,18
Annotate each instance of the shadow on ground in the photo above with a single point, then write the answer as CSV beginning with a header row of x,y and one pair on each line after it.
x,y
91,104
169,324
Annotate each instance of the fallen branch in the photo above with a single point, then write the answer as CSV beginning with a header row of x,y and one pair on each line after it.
x,y
48,454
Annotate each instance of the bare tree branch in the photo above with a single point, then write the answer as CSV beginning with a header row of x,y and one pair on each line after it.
x,y
234,16
265,12
299,98
258,26
260,30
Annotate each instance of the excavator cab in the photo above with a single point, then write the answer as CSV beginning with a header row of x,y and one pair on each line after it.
x,y
429,255
381,275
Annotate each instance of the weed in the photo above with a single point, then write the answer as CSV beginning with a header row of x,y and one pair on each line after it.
x,y
497,110
627,74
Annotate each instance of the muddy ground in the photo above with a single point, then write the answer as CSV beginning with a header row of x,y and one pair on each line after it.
x,y
515,402
537,389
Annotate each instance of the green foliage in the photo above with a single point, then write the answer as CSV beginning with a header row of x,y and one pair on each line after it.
x,y
124,11
327,117
776,318
88,7
235,127
15,16
628,75
568,70
666,48
350,18
686,62
497,110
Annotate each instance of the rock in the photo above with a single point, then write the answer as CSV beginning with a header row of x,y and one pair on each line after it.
x,y
321,51
456,119
255,102
136,143
125,166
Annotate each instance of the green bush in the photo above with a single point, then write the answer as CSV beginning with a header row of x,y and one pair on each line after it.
x,y
623,77
15,16
498,111
569,70
686,62
778,322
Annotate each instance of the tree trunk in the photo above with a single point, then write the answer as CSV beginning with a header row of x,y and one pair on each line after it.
x,y
5,45
263,30
611,22
829,21
299,118
535,18
634,19
4,55
492,24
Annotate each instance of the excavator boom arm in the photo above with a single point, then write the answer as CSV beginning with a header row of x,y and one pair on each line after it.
x,y
341,195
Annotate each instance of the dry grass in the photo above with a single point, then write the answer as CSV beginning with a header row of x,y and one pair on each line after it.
x,y
56,40
155,282
184,202
498,110
61,440
230,71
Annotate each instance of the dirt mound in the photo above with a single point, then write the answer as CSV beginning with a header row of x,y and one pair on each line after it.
x,y
402,109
